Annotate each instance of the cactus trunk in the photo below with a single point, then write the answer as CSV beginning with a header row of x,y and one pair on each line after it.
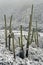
x,y
13,44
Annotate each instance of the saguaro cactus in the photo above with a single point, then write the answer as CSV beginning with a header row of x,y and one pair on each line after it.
x,y
5,31
29,32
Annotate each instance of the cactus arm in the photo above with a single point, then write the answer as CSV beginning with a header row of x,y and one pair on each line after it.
x,y
10,30
35,37
30,25
12,35
25,37
10,24
19,40
36,26
32,36
9,40
21,37
5,31
36,34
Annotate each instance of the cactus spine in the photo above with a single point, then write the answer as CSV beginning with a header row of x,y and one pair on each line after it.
x,y
28,39
5,31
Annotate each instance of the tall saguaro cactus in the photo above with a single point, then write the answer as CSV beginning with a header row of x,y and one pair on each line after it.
x,y
29,32
5,31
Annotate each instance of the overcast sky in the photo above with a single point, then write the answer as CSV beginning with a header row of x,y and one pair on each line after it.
x,y
4,3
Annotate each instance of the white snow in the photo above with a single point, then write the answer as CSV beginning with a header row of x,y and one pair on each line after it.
x,y
35,54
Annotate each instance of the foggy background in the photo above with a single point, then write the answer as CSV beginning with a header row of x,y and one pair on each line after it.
x,y
18,3
21,9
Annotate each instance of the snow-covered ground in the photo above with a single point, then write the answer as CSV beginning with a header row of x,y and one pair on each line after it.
x,y
35,54
35,57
